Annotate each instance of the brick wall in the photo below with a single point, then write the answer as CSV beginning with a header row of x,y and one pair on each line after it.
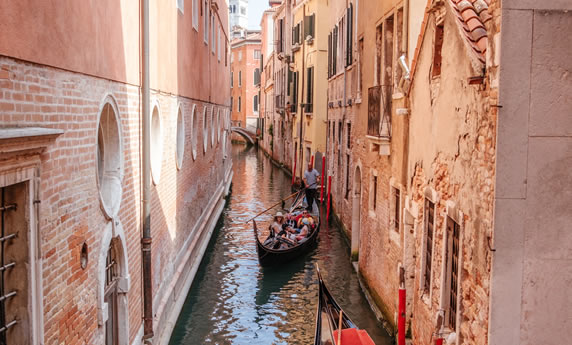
x,y
70,213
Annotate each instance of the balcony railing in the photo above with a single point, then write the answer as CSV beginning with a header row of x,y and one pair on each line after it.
x,y
379,111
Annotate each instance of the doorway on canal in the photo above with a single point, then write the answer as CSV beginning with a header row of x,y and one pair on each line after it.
x,y
233,300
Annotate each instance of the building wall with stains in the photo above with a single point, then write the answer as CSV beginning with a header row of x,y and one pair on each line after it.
x,y
379,156
451,163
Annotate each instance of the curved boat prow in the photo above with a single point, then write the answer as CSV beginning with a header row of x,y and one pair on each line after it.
x,y
331,319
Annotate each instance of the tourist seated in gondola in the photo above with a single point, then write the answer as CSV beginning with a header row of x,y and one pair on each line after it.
x,y
276,226
304,231
290,221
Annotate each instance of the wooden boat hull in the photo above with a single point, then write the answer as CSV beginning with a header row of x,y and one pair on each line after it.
x,y
267,256
328,313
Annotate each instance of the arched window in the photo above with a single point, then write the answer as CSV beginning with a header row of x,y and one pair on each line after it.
x,y
194,131
205,129
109,158
213,129
156,144
180,138
219,125
111,292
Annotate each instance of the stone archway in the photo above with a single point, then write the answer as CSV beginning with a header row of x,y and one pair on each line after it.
x,y
356,214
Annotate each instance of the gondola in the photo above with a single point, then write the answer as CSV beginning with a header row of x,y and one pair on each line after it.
x,y
328,322
269,256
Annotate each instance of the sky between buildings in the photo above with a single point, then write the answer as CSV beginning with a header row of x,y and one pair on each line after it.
x,y
255,9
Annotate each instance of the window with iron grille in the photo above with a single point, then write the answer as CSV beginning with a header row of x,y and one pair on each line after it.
x,y
7,321
397,208
15,317
453,233
111,275
429,227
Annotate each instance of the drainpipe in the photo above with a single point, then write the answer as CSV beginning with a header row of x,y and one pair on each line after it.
x,y
146,238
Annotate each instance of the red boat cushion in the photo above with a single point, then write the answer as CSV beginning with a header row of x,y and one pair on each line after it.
x,y
353,336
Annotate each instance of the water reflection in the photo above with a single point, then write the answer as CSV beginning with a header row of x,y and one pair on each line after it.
x,y
235,301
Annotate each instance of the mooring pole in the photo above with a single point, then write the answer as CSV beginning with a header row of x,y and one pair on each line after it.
x,y
322,179
401,319
329,201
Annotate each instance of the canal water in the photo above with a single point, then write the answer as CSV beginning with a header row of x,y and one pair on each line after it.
x,y
233,300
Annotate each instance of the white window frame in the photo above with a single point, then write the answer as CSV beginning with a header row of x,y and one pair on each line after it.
x,y
180,4
206,22
213,35
195,15
218,43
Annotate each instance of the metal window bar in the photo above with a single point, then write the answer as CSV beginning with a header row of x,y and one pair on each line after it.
x,y
4,324
454,230
397,207
430,214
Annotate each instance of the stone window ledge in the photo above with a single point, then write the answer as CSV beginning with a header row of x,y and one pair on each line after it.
x,y
36,139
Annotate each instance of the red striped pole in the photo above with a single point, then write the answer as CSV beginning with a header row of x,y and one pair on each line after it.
x,y
294,171
329,193
322,178
312,161
401,320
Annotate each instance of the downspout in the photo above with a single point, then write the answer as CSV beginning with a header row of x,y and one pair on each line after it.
x,y
146,119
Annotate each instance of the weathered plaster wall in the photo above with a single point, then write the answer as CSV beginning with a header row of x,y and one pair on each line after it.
x,y
452,158
342,95
380,245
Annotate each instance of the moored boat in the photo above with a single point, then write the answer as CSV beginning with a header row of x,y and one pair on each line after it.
x,y
333,326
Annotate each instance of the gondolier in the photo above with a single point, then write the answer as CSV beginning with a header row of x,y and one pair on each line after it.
x,y
311,180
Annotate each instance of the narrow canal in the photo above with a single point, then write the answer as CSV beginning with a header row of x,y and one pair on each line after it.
x,y
235,301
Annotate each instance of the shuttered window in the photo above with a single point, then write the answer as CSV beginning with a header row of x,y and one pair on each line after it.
x,y
310,90
349,39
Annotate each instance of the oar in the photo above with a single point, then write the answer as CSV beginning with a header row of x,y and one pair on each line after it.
x,y
271,207
340,329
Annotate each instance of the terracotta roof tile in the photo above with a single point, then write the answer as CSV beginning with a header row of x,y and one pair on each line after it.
x,y
471,17
474,23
